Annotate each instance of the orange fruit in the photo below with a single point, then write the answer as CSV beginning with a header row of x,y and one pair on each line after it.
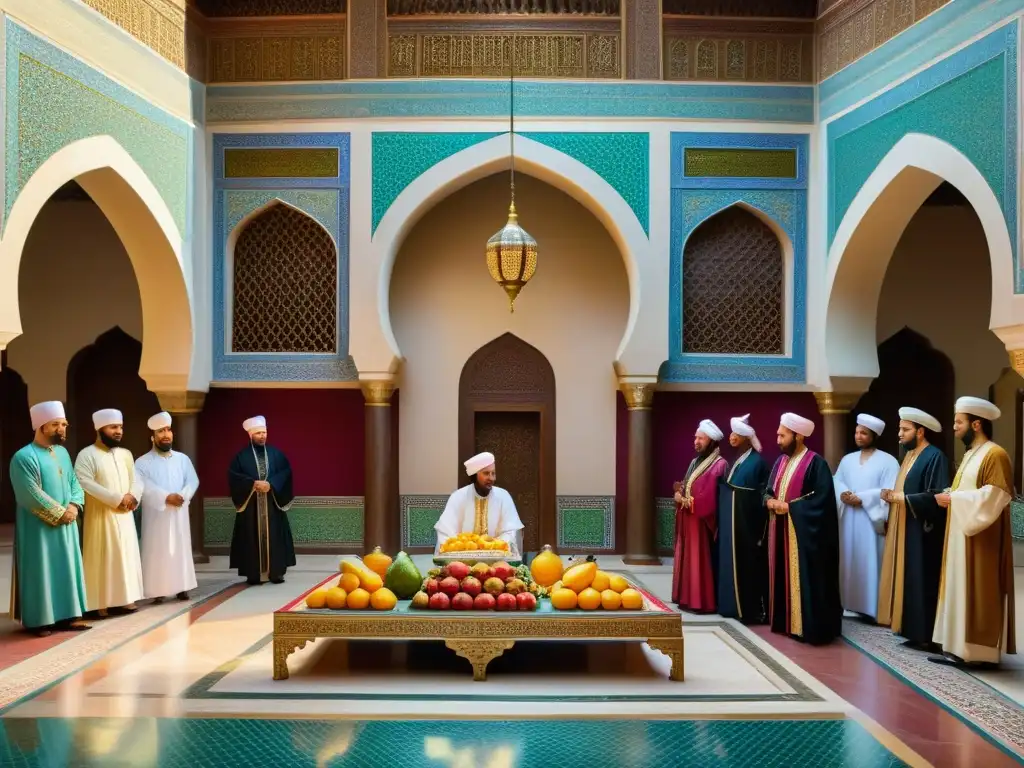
x,y
589,599
610,600
371,581
358,599
336,597
563,599
317,599
600,582
348,582
383,600
632,600
618,583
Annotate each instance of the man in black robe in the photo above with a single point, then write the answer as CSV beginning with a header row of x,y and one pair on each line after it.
x,y
908,590
743,530
803,540
260,479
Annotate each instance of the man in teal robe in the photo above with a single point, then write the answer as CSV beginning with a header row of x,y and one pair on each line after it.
x,y
48,588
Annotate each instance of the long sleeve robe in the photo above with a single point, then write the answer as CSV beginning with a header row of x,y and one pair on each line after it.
x,y
48,583
110,540
742,541
803,551
861,529
693,579
975,618
167,567
494,515
261,544
908,590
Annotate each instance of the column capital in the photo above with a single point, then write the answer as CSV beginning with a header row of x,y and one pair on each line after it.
x,y
378,392
1017,360
181,402
841,403
639,394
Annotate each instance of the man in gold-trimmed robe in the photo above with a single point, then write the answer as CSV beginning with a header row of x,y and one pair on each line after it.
x,y
481,507
974,624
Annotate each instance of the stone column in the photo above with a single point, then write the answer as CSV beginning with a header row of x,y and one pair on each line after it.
x,y
834,408
367,39
184,408
641,26
641,520
380,503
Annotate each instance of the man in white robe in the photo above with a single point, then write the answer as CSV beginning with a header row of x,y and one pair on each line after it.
x,y
110,541
859,482
169,483
483,508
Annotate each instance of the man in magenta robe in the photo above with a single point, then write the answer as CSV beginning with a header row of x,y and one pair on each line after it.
x,y
693,579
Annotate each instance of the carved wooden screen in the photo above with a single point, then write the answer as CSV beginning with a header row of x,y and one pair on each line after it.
x,y
285,285
733,287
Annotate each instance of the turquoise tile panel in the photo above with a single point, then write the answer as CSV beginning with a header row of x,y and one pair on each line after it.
x,y
586,522
316,522
666,530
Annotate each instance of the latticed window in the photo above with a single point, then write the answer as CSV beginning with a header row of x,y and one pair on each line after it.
x,y
285,285
733,277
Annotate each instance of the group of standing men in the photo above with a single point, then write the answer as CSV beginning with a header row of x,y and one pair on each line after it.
x,y
794,546
57,581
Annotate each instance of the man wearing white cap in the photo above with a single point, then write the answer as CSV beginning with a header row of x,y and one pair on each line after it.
x,y
742,530
169,483
803,539
260,480
48,584
975,619
482,508
696,497
908,590
110,540
859,482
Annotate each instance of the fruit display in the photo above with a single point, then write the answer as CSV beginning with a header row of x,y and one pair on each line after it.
x,y
587,587
359,587
546,567
482,587
471,542
403,577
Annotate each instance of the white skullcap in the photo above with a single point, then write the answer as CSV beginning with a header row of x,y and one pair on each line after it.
x,y
918,416
160,421
254,424
975,406
479,463
873,423
709,428
106,418
797,424
44,413
741,426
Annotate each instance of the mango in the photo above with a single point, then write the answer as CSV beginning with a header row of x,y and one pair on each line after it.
x,y
579,577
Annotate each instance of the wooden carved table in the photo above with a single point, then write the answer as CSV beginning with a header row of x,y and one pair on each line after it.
x,y
477,636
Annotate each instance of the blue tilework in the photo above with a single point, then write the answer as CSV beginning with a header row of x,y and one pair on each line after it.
x,y
968,100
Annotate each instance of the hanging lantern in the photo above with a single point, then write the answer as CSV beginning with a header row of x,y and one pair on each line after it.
x,y
512,257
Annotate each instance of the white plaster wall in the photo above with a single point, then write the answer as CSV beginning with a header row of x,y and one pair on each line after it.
x,y
444,306
76,281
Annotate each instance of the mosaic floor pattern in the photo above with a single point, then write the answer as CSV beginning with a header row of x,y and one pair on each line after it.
x,y
198,743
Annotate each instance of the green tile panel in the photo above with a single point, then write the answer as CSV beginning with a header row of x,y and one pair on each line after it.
x,y
324,522
586,522
665,509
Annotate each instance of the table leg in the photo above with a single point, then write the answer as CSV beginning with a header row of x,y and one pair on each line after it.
x,y
285,646
479,653
673,648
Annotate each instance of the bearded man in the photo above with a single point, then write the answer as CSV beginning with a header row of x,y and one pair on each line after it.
x,y
483,508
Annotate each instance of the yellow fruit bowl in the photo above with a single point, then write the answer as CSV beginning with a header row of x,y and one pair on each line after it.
x,y
473,557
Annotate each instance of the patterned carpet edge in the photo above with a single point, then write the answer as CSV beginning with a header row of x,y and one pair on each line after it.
x,y
993,715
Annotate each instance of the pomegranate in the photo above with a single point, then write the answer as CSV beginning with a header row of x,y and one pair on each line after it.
x,y
494,586
506,602
458,570
462,602
503,571
471,586
439,601
450,586
525,601
483,602
430,586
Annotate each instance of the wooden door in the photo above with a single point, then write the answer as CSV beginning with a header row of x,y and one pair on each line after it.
x,y
514,437
15,432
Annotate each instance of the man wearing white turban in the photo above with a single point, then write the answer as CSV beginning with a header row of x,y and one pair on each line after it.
x,y
975,619
861,478
481,507
110,540
803,539
48,584
169,483
696,497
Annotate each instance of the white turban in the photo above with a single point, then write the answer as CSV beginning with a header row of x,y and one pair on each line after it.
x,y
873,423
741,426
918,416
479,463
797,424
44,413
254,424
106,418
709,428
160,421
975,406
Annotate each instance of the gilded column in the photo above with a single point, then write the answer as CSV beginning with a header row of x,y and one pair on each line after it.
x,y
641,534
367,39
641,23
834,408
184,408
380,502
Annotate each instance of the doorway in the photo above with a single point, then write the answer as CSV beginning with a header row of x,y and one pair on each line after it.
x,y
514,437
